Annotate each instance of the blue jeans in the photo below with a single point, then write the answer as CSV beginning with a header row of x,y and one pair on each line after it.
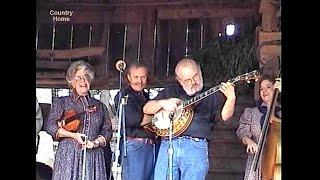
x,y
190,159
140,160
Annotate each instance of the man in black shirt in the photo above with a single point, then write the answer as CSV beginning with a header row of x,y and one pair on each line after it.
x,y
190,148
140,156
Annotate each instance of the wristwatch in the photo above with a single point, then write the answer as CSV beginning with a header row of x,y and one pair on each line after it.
x,y
96,143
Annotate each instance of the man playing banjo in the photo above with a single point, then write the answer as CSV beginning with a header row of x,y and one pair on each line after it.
x,y
190,157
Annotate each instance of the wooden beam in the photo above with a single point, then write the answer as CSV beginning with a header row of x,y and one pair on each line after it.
x,y
205,12
128,15
269,53
56,82
269,36
77,17
45,75
130,3
46,64
73,53
147,40
269,12
124,12
100,82
271,50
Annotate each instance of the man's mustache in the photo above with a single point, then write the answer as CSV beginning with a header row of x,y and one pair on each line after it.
x,y
138,83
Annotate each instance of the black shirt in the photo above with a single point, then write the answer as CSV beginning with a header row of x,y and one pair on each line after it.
x,y
205,111
134,112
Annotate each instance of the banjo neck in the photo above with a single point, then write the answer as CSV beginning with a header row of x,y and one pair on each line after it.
x,y
247,77
199,97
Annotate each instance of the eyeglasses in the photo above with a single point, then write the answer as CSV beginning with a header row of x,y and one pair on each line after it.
x,y
195,78
85,77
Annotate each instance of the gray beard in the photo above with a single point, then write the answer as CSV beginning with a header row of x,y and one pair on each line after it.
x,y
191,91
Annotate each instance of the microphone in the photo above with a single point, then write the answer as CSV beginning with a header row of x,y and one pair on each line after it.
x,y
121,65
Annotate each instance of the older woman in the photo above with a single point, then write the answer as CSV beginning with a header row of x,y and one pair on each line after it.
x,y
251,123
86,141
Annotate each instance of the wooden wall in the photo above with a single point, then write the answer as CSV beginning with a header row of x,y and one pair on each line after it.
x,y
156,32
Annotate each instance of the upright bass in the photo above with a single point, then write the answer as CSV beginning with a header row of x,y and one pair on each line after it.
x,y
269,145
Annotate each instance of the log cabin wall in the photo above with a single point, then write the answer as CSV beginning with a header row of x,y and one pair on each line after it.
x,y
159,33
268,36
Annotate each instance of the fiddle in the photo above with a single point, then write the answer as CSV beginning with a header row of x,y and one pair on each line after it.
x,y
71,119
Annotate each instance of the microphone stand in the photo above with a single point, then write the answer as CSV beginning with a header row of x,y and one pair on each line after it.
x,y
170,149
116,166
84,158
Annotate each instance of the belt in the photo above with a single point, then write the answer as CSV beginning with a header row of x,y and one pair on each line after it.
x,y
197,139
145,140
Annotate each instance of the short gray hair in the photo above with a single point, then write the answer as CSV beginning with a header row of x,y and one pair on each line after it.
x,y
76,66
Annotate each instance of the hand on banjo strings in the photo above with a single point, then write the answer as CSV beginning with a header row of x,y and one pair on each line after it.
x,y
169,105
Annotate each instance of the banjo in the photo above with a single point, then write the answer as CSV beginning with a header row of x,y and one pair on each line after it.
x,y
183,116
